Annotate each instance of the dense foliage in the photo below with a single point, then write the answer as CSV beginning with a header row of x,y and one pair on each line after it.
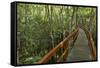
x,y
42,27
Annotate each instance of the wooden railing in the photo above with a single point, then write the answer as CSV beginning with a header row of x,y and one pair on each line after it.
x,y
90,43
62,44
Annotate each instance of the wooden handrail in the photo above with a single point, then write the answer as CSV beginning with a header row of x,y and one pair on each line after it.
x,y
90,43
48,56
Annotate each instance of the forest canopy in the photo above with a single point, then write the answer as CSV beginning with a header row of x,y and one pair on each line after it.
x,y
41,27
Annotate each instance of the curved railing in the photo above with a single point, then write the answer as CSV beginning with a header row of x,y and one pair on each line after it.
x,y
90,43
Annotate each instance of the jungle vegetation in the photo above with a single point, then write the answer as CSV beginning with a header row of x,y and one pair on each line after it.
x,y
41,27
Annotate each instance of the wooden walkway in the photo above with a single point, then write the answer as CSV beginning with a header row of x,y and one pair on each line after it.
x,y
81,50
77,46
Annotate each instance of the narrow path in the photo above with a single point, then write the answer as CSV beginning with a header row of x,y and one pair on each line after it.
x,y
80,51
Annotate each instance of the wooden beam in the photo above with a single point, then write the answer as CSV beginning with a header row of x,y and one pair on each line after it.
x,y
62,56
